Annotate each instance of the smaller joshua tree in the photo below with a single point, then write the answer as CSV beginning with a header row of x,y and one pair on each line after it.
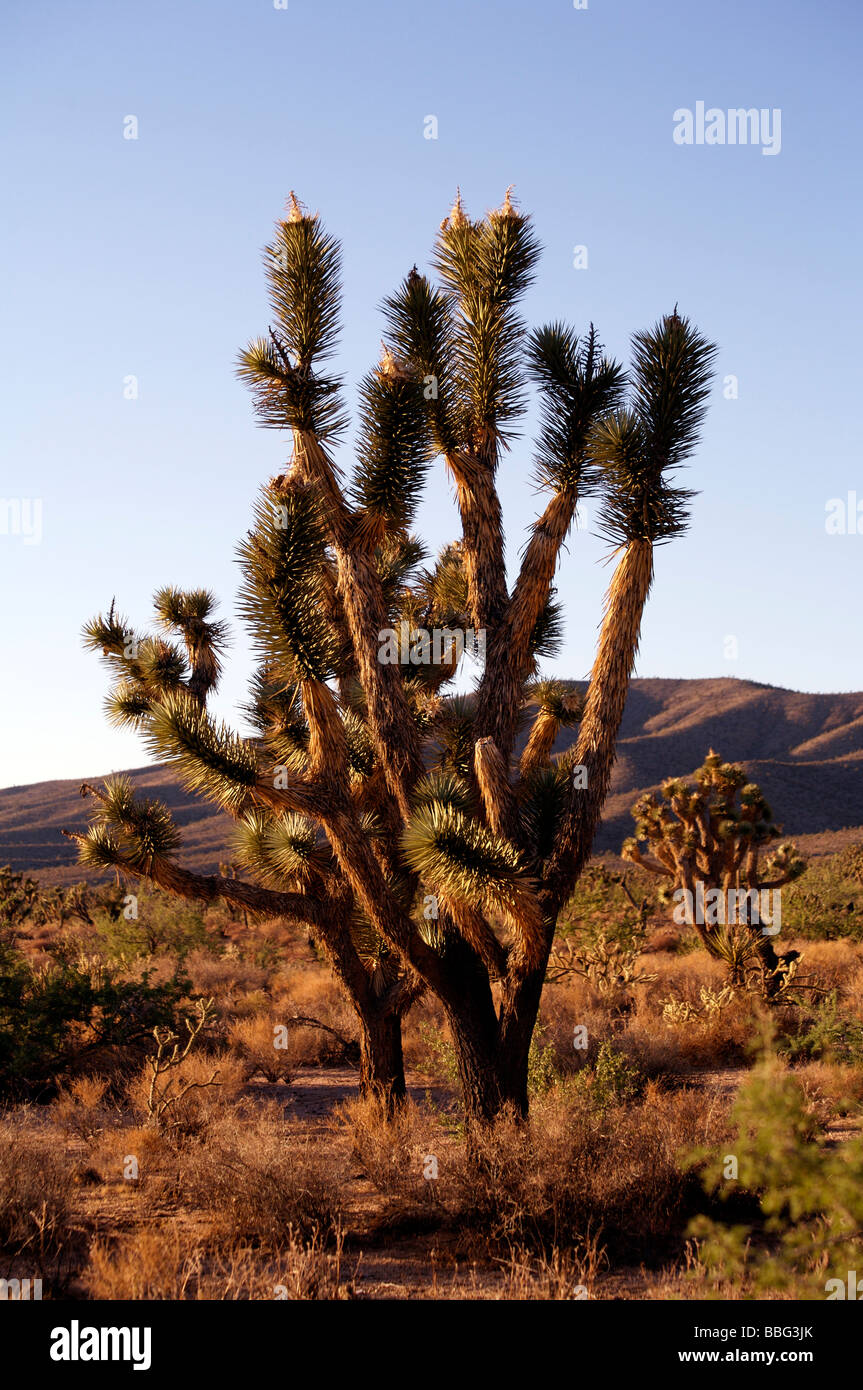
x,y
708,840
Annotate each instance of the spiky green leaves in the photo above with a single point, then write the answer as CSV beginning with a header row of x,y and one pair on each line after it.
x,y
282,598
127,705
146,667
671,375
150,662
179,608
579,385
557,701
127,829
443,590
421,328
455,729
394,451
487,266
303,269
444,789
547,633
188,613
464,863
209,757
282,850
638,503
638,447
109,635
396,560
362,758
99,849
276,712
288,397
544,798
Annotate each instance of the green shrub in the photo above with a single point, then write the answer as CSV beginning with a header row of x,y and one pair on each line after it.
x,y
610,904
164,925
54,1018
542,1067
828,1034
612,1080
828,903
809,1199
543,1071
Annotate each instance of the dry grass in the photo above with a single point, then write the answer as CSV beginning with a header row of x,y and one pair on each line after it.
x,y
396,1155
236,1201
37,1233
560,1275
253,1042
577,1170
197,1107
831,1087
81,1109
153,1264
259,1187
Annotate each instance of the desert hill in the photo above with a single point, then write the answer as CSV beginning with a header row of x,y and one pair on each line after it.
x,y
806,751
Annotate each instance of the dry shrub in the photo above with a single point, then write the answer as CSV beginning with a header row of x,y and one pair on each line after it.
x,y
79,1108
200,1100
559,1275
148,1264
226,977
852,990
257,1187
831,1087
253,1044
722,1039
427,1014
309,1271
575,1170
313,994
394,1152
35,1202
158,1263
662,940
153,1151
568,1006
150,1146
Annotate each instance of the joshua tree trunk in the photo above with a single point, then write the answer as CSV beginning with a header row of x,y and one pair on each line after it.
x,y
478,1071
518,1015
382,1071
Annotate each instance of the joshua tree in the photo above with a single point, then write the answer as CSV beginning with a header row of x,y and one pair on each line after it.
x,y
392,818
707,840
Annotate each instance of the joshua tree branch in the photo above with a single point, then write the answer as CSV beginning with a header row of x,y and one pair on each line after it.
x,y
508,650
595,748
261,902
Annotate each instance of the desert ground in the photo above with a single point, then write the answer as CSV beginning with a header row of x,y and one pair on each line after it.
x,y
253,1169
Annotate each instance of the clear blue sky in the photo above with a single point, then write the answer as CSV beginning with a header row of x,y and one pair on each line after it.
x,y
142,258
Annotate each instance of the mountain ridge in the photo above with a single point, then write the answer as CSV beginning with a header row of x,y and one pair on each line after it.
x,y
806,751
